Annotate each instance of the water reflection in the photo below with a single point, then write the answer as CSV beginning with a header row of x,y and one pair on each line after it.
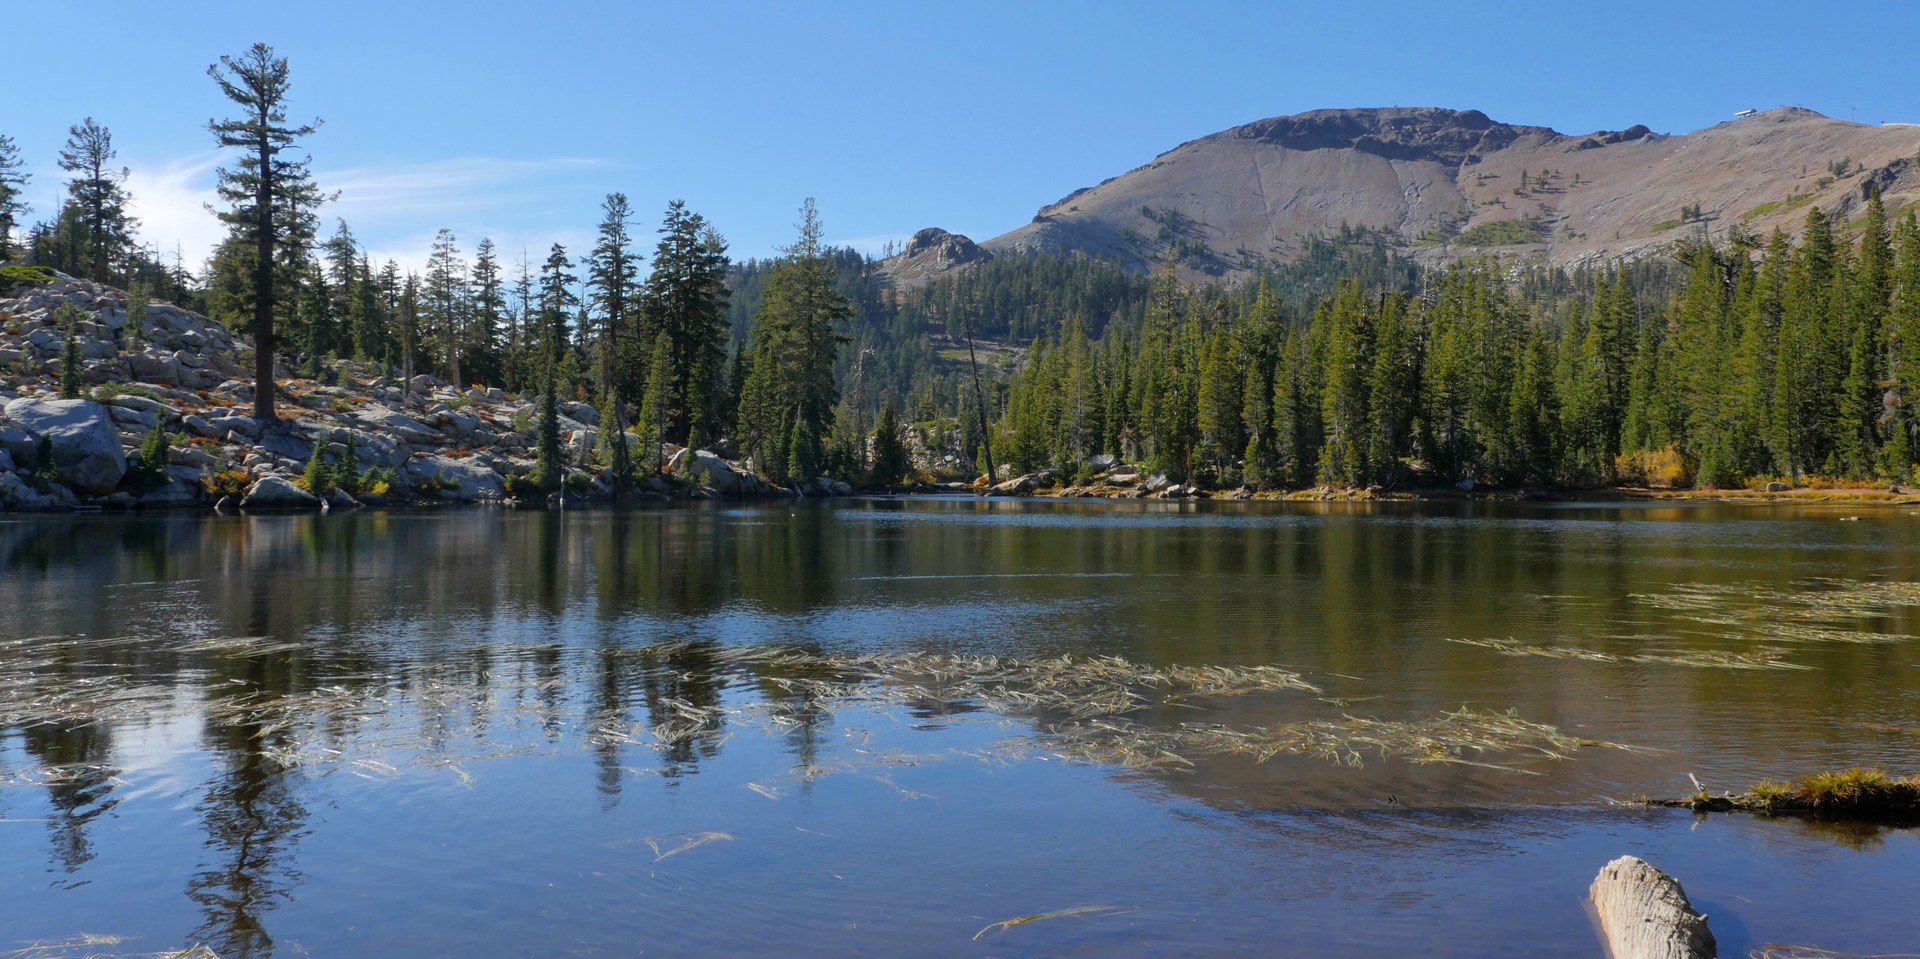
x,y
251,812
427,643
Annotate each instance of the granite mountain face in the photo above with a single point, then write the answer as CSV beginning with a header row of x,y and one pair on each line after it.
x,y
1450,183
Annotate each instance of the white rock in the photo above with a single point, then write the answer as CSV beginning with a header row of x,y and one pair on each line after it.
x,y
278,492
86,447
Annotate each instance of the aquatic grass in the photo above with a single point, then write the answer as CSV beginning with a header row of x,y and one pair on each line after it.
x,y
1857,790
64,947
1766,657
673,844
1005,924
1463,737
1778,951
1815,611
444,714
1851,794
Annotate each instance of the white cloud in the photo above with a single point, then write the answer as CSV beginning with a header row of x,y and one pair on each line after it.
x,y
170,199
394,210
442,187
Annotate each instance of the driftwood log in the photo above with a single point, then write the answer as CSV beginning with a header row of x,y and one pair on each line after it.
x,y
1644,914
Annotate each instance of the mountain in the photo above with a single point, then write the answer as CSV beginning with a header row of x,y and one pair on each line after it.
x,y
1450,183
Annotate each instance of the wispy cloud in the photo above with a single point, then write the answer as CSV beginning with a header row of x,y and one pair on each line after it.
x,y
394,210
442,186
171,201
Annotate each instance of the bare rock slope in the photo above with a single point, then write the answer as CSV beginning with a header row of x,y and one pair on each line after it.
x,y
1452,183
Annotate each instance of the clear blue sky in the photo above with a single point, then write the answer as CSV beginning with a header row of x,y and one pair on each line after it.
x,y
514,119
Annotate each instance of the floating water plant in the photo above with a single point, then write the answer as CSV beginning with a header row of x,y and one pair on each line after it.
x,y
1765,657
1005,924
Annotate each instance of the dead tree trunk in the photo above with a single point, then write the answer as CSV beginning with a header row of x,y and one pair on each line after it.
x,y
1644,914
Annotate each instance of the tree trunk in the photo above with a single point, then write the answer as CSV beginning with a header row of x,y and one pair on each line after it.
x,y
1644,914
263,288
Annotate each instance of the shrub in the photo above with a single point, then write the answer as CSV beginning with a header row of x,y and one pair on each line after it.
x,y
227,482
43,474
11,276
1669,468
379,481
318,477
523,486
149,466
1504,233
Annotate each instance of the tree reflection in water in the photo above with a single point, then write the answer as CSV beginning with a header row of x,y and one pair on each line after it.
x,y
251,810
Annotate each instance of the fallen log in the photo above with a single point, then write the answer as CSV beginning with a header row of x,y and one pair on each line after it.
x,y
1644,914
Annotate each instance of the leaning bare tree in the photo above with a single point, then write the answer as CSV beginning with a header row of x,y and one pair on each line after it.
x,y
273,198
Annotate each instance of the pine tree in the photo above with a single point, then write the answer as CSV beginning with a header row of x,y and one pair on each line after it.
x,y
1903,349
13,185
552,461
347,473
445,303
613,436
556,300
136,328
656,408
489,306
407,331
612,278
787,404
1393,389
890,461
273,198
1348,336
686,298
318,477
97,193
68,317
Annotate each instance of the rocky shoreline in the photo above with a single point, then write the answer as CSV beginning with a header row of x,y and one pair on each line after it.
x,y
420,442
177,372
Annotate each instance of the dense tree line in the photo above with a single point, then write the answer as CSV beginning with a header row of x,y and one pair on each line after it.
x,y
1764,360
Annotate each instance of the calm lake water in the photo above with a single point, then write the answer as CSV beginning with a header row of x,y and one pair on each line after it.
x,y
848,729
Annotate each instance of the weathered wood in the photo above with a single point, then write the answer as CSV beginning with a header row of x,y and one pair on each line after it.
x,y
1644,914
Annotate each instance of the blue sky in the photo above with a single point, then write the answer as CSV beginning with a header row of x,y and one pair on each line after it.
x,y
513,121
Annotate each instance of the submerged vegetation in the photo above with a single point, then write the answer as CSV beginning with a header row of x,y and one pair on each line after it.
x,y
1079,707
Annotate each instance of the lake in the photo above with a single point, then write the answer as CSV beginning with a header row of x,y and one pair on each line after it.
x,y
901,727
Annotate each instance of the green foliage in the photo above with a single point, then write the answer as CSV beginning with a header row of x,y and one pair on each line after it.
x,y
524,487
107,391
347,474
657,405
44,474
1513,232
891,463
271,166
319,477
11,276
552,460
148,467
787,404
68,317
613,439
